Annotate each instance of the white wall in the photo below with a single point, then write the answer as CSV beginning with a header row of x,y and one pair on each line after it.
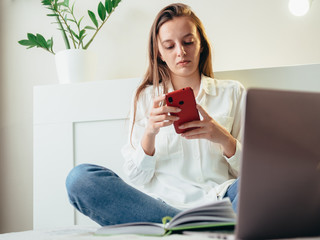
x,y
295,78
2,165
245,34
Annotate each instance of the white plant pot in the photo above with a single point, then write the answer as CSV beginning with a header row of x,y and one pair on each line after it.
x,y
76,65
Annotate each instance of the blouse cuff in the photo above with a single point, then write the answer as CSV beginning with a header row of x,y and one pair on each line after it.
x,y
234,160
143,161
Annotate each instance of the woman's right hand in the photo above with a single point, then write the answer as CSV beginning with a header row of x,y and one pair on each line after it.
x,y
159,117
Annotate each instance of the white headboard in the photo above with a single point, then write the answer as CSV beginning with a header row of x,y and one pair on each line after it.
x,y
86,122
73,124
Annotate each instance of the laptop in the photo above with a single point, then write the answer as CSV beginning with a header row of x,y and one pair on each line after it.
x,y
279,191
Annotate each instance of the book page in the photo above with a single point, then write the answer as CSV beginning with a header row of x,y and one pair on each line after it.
x,y
215,212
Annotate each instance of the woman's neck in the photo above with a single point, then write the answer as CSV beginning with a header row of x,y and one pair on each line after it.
x,y
194,81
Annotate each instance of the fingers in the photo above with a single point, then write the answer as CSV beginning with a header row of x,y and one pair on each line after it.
x,y
198,124
158,125
165,110
201,129
197,133
193,124
159,109
157,100
163,117
203,112
160,116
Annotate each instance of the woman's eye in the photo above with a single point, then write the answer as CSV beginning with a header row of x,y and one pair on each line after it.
x,y
188,43
169,47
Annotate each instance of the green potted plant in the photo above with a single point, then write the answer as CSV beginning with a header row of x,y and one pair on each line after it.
x,y
74,36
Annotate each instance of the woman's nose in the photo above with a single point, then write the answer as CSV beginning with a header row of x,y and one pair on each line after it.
x,y
181,51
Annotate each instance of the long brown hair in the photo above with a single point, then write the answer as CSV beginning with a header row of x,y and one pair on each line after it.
x,y
158,73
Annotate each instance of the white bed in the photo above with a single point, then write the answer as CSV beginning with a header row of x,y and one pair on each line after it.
x,y
73,124
87,233
87,123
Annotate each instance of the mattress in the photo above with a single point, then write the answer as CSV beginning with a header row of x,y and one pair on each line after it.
x,y
86,233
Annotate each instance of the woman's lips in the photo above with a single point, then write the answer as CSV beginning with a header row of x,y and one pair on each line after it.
x,y
183,62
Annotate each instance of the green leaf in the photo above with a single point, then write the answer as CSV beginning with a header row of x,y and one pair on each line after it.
x,y
109,6
61,4
81,33
55,5
93,18
72,7
37,41
82,37
102,11
46,2
51,9
50,43
79,22
26,42
32,38
71,20
41,40
89,27
51,46
52,15
115,3
74,34
66,3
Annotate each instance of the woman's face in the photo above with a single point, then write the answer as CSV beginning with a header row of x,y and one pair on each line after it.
x,y
180,46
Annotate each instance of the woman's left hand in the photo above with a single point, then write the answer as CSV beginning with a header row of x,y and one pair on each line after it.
x,y
209,129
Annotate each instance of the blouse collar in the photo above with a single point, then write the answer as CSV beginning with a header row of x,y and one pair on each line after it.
x,y
206,86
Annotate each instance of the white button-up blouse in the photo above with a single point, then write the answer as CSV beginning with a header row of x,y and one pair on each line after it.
x,y
182,172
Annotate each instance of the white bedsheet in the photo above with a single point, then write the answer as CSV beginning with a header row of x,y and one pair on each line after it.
x,y
85,233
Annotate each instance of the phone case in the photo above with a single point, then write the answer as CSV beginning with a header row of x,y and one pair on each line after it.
x,y
185,100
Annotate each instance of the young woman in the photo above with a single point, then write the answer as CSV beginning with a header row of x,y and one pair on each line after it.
x,y
174,171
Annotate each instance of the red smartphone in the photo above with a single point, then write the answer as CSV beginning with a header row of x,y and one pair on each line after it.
x,y
185,100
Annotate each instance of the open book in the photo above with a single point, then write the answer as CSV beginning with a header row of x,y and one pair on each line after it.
x,y
217,215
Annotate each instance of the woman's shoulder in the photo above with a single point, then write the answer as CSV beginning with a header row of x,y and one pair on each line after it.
x,y
223,84
147,93
145,97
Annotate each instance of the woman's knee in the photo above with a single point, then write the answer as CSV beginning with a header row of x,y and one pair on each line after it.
x,y
79,177
83,176
76,176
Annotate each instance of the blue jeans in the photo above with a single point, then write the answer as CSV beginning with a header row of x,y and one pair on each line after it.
x,y
232,193
103,196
